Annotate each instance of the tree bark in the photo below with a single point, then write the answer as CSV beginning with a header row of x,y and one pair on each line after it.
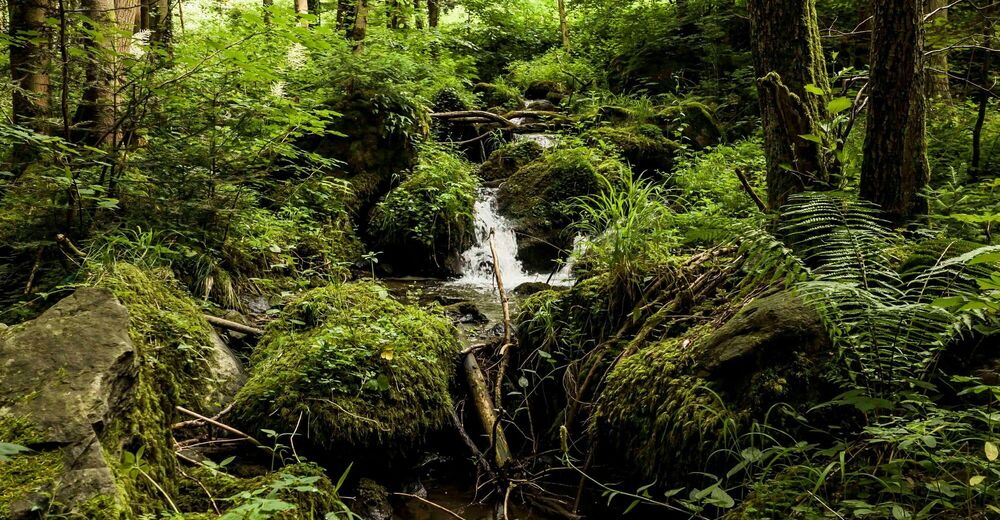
x,y
345,15
433,13
788,56
161,25
895,151
563,24
984,96
29,62
95,114
302,9
937,63
418,15
360,25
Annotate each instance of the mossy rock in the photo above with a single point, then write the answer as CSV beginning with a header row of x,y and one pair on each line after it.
x,y
673,403
355,369
509,158
554,91
929,253
425,223
495,96
543,196
644,147
691,120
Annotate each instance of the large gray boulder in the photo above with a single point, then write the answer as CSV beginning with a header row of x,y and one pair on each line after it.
x,y
63,377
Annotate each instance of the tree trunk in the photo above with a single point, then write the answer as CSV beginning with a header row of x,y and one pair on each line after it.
x,y
29,62
895,151
788,56
360,25
302,9
984,95
161,24
433,13
345,15
937,63
563,24
418,15
268,4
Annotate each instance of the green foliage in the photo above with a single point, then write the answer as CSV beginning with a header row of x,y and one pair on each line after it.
x,y
561,72
430,212
709,185
360,368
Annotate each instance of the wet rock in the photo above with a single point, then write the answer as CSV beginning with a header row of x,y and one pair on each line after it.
x,y
63,378
550,90
466,313
542,105
373,501
226,374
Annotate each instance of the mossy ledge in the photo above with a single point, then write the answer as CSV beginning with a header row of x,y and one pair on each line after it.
x,y
352,367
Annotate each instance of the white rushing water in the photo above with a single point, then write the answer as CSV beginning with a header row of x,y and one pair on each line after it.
x,y
477,261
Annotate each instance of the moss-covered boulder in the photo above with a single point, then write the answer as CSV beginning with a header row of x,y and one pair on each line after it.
x,y
673,403
355,369
64,377
644,147
542,199
509,158
554,91
498,96
692,121
425,223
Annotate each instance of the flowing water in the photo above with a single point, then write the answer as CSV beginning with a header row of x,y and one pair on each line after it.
x,y
478,262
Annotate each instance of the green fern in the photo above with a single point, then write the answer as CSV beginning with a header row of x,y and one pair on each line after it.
x,y
834,251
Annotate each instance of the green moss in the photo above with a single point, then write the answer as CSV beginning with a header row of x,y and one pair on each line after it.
x,y
928,253
360,368
430,215
509,158
642,146
29,472
692,121
172,341
662,418
543,196
498,95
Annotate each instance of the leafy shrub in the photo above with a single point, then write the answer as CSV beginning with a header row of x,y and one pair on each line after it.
x,y
562,72
430,214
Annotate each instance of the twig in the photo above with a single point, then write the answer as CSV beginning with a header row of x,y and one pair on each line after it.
x,y
34,270
65,241
428,502
749,189
480,458
213,422
233,326
199,422
505,303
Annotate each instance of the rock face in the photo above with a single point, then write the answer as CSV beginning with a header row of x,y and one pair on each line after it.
x,y
668,405
64,377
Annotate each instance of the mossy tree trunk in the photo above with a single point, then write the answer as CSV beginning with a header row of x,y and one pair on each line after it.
x,y
895,165
433,13
563,24
29,61
29,68
937,61
360,25
984,95
95,115
787,57
418,15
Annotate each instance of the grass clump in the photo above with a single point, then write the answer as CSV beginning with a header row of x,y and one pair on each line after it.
x,y
358,367
430,214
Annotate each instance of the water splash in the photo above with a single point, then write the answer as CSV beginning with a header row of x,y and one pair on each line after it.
x,y
477,261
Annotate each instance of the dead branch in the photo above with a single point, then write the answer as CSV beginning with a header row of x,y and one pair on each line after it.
x,y
432,504
750,191
64,241
484,405
213,422
480,114
233,326
505,304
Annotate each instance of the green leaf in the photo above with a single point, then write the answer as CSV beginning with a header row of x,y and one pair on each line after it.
x,y
813,89
812,138
975,480
838,105
991,451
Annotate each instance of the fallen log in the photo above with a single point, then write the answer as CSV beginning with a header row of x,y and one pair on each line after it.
x,y
484,405
466,114
233,326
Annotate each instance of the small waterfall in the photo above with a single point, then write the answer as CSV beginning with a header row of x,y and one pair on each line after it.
x,y
477,261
